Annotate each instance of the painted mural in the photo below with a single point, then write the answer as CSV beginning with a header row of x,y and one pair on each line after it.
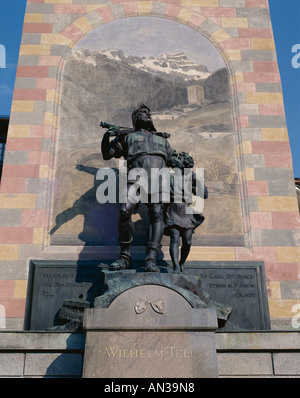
x,y
181,76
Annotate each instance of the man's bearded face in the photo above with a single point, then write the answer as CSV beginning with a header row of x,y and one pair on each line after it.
x,y
143,115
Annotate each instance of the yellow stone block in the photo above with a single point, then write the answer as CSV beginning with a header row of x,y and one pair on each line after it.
x,y
275,134
51,95
51,119
235,55
19,131
239,76
55,38
92,7
234,22
220,35
22,106
274,287
45,171
184,14
84,25
247,147
282,308
249,172
144,7
211,254
277,203
262,44
9,252
199,3
20,289
264,98
35,49
38,236
288,254
32,17
17,201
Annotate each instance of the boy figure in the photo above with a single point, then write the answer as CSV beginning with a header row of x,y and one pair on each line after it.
x,y
143,148
179,221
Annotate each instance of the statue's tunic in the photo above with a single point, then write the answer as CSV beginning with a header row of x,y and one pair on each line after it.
x,y
147,151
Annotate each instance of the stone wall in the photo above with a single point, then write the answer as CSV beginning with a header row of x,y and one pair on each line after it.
x,y
242,33
31,354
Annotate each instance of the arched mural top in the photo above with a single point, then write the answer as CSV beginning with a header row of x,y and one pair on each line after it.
x,y
103,15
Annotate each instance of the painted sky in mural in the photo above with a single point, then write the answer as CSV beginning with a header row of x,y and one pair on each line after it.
x,y
147,37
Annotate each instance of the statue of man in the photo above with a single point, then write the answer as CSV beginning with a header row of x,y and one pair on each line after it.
x,y
143,148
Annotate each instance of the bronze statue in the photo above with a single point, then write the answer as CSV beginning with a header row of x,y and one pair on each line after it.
x,y
180,222
145,148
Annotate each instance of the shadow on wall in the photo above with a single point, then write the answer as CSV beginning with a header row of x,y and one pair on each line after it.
x,y
100,227
68,364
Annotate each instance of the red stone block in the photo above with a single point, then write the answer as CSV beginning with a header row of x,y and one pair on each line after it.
x,y
260,253
172,10
30,94
278,160
271,109
196,20
106,14
38,157
7,288
271,147
218,12
119,1
12,185
261,220
72,32
70,9
34,218
286,220
255,32
261,77
32,71
174,2
10,235
130,8
44,131
46,82
23,144
256,188
257,3
244,121
246,87
14,308
34,27
237,44
49,60
282,271
21,170
265,66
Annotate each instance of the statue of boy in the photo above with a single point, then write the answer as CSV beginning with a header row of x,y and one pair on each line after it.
x,y
143,148
178,220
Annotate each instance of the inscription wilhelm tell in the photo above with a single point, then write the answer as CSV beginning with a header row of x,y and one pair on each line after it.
x,y
166,352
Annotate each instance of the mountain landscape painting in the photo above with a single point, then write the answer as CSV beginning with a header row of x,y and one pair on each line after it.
x,y
181,76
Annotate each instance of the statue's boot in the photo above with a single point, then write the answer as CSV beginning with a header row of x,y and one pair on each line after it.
x,y
153,249
124,260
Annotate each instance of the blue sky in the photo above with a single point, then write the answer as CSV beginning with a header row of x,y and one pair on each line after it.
x,y
285,16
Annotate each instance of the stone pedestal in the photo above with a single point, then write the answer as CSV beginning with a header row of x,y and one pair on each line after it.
x,y
150,331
